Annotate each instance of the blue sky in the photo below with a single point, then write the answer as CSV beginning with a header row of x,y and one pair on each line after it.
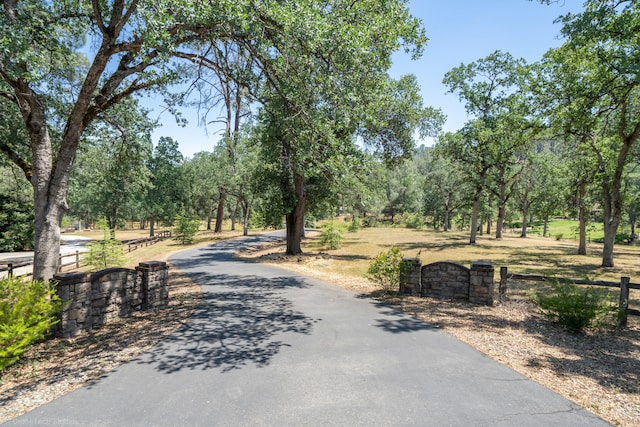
x,y
459,31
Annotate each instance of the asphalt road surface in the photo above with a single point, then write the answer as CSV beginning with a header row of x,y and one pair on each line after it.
x,y
269,348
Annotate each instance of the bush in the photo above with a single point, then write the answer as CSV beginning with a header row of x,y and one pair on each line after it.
x,y
577,307
386,269
331,236
413,220
186,228
370,221
558,236
354,225
107,252
27,311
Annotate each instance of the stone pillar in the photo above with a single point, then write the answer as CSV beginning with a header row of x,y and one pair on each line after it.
x,y
74,289
154,277
410,276
481,283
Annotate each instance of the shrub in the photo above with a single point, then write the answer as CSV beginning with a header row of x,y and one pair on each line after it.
x,y
331,236
413,220
386,269
186,228
576,307
27,311
370,221
107,252
354,225
558,236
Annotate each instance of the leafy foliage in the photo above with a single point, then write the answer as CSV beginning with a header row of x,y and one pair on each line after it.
x,y
16,224
186,228
27,311
576,307
331,236
412,220
386,270
107,252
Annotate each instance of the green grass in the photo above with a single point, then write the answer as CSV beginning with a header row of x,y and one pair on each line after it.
x,y
568,229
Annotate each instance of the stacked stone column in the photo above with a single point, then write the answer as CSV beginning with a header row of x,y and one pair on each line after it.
x,y
154,278
411,270
481,283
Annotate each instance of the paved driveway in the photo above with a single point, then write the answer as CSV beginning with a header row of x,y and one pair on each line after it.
x,y
270,348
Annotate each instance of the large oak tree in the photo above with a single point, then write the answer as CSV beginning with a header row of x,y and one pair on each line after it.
x,y
338,48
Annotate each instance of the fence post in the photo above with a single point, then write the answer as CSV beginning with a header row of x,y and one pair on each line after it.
x,y
502,288
10,269
59,263
77,259
624,301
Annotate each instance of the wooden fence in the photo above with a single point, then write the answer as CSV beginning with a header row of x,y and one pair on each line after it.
x,y
624,285
131,245
11,266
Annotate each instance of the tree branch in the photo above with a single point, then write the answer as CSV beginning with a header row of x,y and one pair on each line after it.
x,y
19,161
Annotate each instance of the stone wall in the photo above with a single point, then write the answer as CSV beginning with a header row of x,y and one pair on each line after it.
x,y
445,280
91,300
448,280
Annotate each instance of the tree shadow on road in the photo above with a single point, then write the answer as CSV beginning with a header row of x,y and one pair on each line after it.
x,y
241,320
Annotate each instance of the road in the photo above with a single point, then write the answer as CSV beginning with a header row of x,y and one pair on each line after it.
x,y
270,348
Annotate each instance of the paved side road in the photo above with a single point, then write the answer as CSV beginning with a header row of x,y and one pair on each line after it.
x,y
270,348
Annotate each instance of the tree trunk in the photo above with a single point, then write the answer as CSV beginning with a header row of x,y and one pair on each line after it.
x,y
446,219
545,228
295,219
246,213
152,227
220,213
502,212
582,219
612,214
612,217
525,217
49,197
209,218
234,215
610,229
47,240
474,220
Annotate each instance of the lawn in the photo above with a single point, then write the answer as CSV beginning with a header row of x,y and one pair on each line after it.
x,y
532,255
